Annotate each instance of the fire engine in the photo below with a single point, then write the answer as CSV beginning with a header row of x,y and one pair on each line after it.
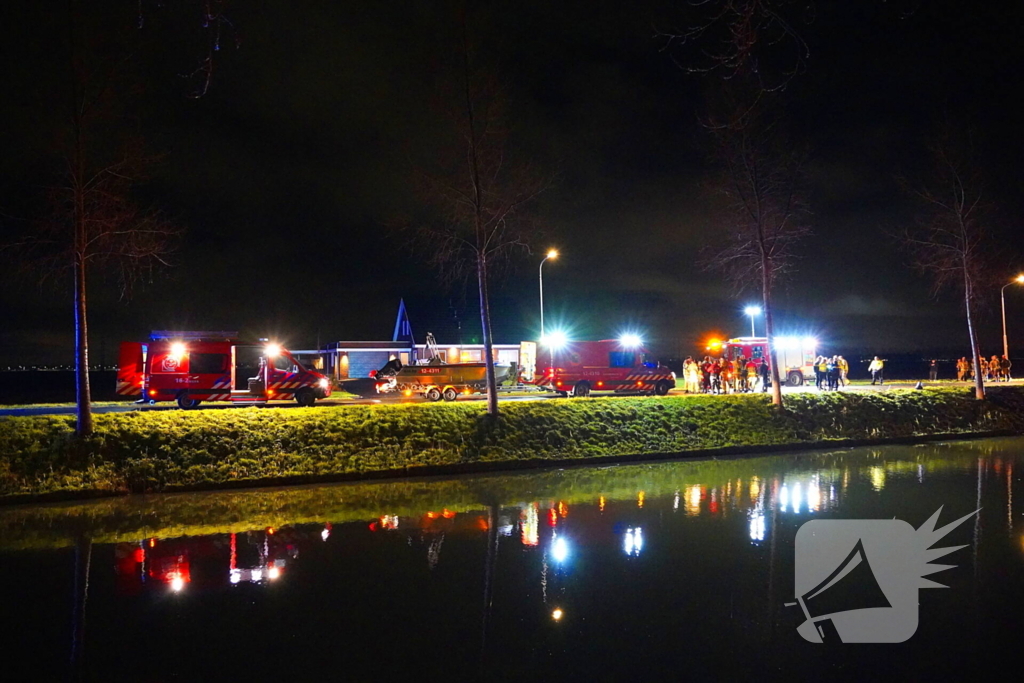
x,y
192,367
795,355
619,365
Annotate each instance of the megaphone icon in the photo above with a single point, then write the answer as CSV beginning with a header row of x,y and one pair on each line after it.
x,y
851,586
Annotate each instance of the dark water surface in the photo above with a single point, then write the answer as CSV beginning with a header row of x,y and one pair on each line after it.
x,y
666,571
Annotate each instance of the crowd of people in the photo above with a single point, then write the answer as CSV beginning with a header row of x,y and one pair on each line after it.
x,y
726,376
995,369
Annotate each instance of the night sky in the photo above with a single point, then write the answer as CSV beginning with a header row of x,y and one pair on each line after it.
x,y
290,173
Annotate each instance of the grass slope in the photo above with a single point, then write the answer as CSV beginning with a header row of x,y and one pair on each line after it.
x,y
158,451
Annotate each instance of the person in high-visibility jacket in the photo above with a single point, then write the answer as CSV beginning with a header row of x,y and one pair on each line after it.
x,y
876,370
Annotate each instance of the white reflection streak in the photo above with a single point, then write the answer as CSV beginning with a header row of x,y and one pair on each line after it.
x,y
633,541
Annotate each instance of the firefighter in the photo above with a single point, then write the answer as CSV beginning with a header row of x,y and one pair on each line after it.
x,y
1004,368
705,370
832,373
961,369
875,368
762,370
751,372
820,368
844,369
691,374
994,369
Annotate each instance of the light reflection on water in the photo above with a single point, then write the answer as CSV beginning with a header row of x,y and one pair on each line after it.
x,y
618,560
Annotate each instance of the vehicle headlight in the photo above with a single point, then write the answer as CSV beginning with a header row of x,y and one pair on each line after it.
x,y
324,384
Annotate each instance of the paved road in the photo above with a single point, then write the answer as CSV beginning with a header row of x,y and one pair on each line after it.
x,y
130,407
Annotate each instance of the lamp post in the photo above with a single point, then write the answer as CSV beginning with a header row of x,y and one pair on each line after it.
x,y
1002,300
752,311
552,254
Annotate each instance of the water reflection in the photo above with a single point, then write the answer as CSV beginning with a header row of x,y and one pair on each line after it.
x,y
543,545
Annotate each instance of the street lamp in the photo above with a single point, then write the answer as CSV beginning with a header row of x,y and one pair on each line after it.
x,y
1002,300
552,254
752,311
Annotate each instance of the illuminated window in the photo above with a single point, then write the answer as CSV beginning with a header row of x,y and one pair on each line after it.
x,y
621,359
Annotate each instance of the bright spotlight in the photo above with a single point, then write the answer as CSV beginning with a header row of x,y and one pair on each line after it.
x,y
810,342
552,253
557,614
272,350
630,340
177,583
177,350
752,310
555,340
1020,279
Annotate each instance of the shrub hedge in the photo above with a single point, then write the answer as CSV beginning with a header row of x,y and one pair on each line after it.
x,y
166,450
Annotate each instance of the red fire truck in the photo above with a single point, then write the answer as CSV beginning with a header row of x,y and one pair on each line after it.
x,y
191,367
619,365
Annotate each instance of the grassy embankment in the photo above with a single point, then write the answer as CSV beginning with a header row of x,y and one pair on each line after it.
x,y
168,450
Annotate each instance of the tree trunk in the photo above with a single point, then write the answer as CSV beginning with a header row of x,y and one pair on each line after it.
x,y
485,326
83,393
979,382
769,331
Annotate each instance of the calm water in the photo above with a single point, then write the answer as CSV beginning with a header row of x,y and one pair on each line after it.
x,y
642,572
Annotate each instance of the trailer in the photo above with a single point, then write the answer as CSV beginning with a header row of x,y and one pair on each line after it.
x,y
192,367
436,379
610,365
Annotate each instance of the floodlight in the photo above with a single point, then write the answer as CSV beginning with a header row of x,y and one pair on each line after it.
x,y
555,340
630,340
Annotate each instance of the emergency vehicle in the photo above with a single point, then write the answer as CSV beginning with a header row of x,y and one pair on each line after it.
x,y
192,367
619,365
795,355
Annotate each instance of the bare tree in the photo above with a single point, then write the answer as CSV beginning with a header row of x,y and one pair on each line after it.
x,y
764,213
94,222
481,190
741,38
950,241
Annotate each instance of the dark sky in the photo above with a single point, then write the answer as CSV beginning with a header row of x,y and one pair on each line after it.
x,y
288,172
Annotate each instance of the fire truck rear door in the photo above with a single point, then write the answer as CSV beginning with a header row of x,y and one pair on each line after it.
x,y
131,368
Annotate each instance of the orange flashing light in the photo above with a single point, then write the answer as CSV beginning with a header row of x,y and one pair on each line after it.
x,y
600,384
431,515
152,392
270,530
447,514
407,392
600,504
